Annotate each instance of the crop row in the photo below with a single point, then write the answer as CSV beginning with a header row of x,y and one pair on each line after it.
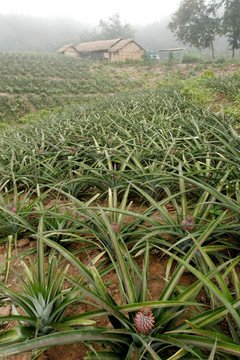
x,y
229,86
149,132
126,177
32,82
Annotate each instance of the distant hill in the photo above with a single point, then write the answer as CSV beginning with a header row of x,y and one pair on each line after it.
x,y
26,33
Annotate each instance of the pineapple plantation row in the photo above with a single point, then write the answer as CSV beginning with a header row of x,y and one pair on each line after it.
x,y
34,82
106,189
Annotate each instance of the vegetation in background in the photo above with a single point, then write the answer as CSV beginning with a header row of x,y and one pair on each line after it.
x,y
113,28
231,24
33,83
25,33
196,24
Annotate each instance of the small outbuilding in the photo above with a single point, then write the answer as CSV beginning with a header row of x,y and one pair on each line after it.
x,y
113,50
171,55
68,50
125,49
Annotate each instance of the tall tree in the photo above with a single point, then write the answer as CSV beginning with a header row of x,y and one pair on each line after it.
x,y
113,28
231,23
195,23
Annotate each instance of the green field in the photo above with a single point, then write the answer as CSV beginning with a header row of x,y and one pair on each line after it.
x,y
34,82
108,171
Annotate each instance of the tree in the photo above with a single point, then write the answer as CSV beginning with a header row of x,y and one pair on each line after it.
x,y
196,24
113,28
231,23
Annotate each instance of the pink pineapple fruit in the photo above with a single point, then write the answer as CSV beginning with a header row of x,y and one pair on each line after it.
x,y
144,320
115,227
12,208
188,223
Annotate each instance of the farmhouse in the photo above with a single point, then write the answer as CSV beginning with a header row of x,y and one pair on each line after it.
x,y
69,50
113,50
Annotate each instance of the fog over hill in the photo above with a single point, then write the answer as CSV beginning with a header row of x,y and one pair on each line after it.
x,y
27,33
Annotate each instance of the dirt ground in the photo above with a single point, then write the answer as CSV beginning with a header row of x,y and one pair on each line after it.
x,y
156,280
77,351
183,71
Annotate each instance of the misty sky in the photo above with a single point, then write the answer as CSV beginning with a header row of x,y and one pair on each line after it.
x,y
91,11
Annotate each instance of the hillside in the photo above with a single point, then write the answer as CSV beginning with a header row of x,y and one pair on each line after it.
x,y
33,82
120,205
